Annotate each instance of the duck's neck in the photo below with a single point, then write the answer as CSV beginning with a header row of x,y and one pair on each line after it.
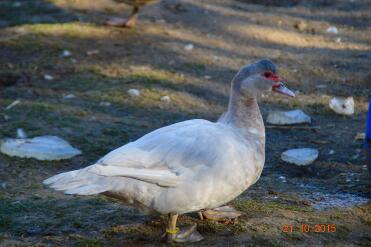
x,y
243,113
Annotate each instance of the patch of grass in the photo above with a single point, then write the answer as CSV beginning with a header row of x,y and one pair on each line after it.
x,y
88,242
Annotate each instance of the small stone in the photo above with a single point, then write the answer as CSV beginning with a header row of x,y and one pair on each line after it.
x,y
165,99
134,92
104,103
48,77
207,77
4,185
321,86
331,152
189,47
66,53
289,117
17,4
332,30
338,40
341,105
300,156
69,96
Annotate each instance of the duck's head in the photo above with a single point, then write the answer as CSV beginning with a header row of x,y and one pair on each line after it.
x,y
258,78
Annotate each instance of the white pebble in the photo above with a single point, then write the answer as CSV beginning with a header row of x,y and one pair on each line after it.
x,y
207,77
341,105
165,99
69,96
134,92
48,77
331,152
189,47
21,134
66,53
332,30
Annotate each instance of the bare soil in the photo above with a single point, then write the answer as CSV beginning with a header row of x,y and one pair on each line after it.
x,y
226,35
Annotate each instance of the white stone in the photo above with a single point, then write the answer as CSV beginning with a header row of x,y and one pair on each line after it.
x,y
288,117
300,156
165,99
189,47
48,77
331,152
69,96
332,30
66,53
341,105
207,77
92,52
41,148
134,92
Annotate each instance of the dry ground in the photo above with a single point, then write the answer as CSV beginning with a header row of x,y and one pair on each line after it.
x,y
226,35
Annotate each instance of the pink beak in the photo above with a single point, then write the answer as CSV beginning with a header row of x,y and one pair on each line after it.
x,y
282,89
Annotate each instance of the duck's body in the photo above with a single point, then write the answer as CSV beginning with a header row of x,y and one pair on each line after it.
x,y
184,167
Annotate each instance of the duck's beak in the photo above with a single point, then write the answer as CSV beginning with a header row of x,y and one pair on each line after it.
x,y
282,89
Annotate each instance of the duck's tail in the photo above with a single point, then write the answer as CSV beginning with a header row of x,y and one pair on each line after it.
x,y
79,182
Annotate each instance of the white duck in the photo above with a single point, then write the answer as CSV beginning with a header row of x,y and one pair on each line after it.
x,y
187,166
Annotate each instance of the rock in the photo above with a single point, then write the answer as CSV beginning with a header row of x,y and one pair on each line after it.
x,y
338,40
289,117
300,156
165,99
360,136
69,96
189,47
341,105
14,103
41,148
134,92
331,152
332,30
207,77
66,53
48,77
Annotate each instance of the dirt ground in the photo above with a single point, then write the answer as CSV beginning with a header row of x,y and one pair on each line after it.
x,y
226,35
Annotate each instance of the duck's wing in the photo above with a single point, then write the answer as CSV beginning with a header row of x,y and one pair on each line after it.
x,y
164,156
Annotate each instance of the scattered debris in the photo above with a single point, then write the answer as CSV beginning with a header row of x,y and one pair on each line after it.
x,y
48,77
92,52
41,148
332,30
134,92
69,96
189,47
360,136
323,201
21,134
341,105
66,53
282,178
165,99
289,117
16,102
105,103
300,156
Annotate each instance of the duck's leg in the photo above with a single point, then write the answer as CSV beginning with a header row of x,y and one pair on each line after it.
x,y
189,234
129,22
226,214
